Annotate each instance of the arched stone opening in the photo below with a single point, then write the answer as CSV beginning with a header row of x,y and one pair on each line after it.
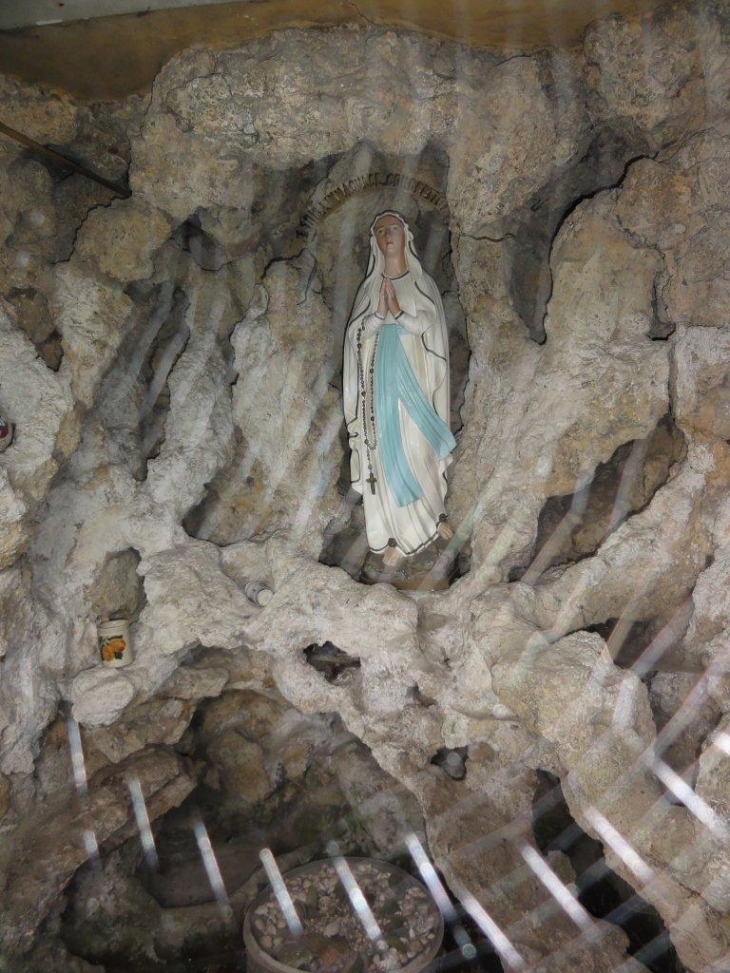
x,y
266,776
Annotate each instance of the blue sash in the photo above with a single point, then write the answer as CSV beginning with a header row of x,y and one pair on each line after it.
x,y
394,382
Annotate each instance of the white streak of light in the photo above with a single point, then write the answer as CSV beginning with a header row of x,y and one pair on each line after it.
x,y
555,887
430,877
357,899
488,926
77,757
625,851
92,847
722,742
440,896
281,892
681,789
210,863
143,822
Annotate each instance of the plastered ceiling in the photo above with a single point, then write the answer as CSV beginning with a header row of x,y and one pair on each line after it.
x,y
109,54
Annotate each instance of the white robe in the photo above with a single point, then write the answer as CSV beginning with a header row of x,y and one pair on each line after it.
x,y
426,345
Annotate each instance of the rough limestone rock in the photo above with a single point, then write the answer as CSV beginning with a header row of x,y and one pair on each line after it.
x,y
43,400
39,114
668,559
91,315
532,450
121,239
34,881
171,364
286,313
701,386
100,696
685,83
685,192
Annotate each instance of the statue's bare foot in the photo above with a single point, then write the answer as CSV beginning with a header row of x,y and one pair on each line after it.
x,y
445,531
392,558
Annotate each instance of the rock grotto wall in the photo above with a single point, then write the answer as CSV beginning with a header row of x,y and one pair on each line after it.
x,y
172,364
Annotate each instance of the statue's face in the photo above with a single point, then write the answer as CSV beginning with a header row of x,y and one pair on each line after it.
x,y
390,235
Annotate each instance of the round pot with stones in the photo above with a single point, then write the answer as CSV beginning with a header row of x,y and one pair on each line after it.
x,y
333,939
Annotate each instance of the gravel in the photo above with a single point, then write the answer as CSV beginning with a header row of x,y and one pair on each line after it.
x,y
334,940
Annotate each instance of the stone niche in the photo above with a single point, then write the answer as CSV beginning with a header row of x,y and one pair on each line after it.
x,y
268,777
171,362
292,339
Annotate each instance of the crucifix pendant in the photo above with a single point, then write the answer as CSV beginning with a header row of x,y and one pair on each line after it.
x,y
372,480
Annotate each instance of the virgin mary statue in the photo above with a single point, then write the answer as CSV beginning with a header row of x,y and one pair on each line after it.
x,y
396,396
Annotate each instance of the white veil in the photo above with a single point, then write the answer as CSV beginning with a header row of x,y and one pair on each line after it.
x,y
369,291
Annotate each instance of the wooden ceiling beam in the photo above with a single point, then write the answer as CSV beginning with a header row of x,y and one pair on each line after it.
x,y
109,57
